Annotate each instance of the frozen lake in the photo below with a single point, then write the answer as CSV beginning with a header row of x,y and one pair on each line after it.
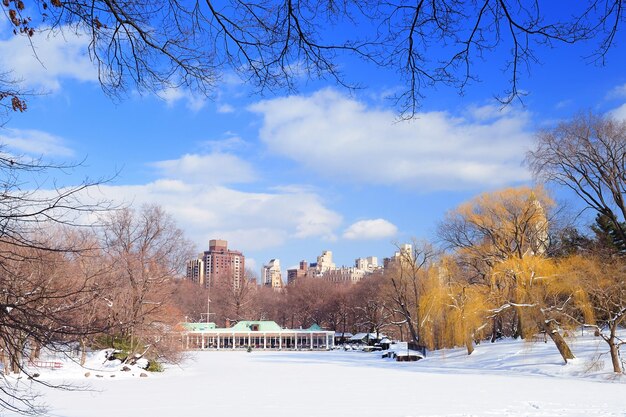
x,y
509,379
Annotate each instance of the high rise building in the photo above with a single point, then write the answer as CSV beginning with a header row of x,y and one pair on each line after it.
x,y
369,264
300,272
271,275
217,265
195,270
325,262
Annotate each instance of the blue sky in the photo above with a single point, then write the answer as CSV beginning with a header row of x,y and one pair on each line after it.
x,y
287,175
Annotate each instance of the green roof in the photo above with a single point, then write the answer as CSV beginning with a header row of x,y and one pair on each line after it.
x,y
246,326
198,327
262,326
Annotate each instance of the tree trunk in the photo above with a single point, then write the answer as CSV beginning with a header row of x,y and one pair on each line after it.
x,y
558,340
495,330
469,345
15,363
614,349
518,325
83,352
5,362
617,365
34,354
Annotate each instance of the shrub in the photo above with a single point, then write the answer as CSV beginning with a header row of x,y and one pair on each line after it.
x,y
154,366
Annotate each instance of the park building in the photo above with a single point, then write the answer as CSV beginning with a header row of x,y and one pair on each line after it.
x,y
264,335
217,265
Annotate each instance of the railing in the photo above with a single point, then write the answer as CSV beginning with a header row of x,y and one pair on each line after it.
x,y
46,364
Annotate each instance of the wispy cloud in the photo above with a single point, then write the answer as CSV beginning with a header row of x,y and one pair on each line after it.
x,y
617,92
34,142
231,143
214,168
339,137
174,95
225,108
619,112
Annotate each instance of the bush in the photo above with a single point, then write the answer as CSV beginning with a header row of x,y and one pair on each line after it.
x,y
154,366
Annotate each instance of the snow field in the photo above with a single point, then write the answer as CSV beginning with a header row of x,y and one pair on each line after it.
x,y
508,378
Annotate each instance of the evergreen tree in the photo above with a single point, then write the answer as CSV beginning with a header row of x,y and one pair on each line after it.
x,y
607,235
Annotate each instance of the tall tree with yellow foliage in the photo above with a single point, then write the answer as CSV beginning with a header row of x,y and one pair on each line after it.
x,y
494,227
503,237
453,310
601,298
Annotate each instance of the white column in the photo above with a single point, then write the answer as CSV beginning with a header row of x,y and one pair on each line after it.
x,y
264,340
280,341
296,340
311,340
234,341
218,341
202,343
248,339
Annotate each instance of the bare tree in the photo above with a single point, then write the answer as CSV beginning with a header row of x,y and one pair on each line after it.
x,y
191,299
374,310
233,300
146,252
42,302
270,43
587,155
406,274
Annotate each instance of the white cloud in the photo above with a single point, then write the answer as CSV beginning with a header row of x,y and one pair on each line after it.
x,y
342,138
173,95
370,229
53,58
215,168
34,142
248,220
225,108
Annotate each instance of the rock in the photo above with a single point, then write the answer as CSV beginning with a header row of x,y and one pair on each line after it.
x,y
87,374
143,375
36,375
125,368
99,376
112,376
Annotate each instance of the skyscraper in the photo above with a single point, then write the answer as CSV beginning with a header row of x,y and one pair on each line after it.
x,y
271,275
217,265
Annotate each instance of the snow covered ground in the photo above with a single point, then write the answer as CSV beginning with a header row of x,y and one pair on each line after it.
x,y
509,378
